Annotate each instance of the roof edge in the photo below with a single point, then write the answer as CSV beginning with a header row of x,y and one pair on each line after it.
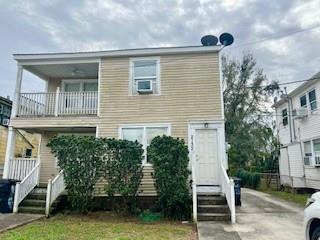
x,y
118,53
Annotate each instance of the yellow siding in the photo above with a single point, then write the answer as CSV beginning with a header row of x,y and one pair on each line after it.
x,y
21,144
190,90
48,168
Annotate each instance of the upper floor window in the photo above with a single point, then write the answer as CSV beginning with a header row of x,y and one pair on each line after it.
x,y
1,107
303,101
307,153
145,76
285,117
312,100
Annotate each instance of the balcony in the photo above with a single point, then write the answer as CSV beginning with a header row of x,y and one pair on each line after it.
x,y
57,104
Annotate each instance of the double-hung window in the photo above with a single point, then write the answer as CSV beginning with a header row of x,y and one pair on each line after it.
x,y
145,75
144,135
307,153
312,100
285,117
303,101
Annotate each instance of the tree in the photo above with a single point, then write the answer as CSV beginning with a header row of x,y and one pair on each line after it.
x,y
247,112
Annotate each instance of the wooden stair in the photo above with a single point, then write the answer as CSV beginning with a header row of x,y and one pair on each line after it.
x,y
35,202
212,207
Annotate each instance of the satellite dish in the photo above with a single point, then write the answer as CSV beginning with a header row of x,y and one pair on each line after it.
x,y
226,39
209,40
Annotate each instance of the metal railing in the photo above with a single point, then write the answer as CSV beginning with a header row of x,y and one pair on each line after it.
x,y
26,186
19,168
55,188
58,103
227,187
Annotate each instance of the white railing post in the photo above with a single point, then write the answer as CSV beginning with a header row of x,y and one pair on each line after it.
x,y
56,107
232,202
194,194
9,151
16,198
48,198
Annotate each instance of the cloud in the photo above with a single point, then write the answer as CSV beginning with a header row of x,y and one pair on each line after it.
x,y
89,25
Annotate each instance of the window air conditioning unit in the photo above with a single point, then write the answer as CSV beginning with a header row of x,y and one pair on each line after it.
x,y
299,113
5,122
144,86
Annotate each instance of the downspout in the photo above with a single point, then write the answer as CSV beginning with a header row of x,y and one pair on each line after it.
x,y
289,114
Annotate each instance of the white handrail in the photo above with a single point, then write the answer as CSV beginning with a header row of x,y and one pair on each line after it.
x,y
19,168
227,187
194,194
54,189
26,186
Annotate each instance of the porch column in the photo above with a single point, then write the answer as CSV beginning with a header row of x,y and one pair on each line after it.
x,y
9,151
17,92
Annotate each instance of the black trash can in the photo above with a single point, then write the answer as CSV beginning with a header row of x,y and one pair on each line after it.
x,y
237,190
7,189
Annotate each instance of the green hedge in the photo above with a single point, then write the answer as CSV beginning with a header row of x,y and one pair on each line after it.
x,y
86,159
249,179
170,162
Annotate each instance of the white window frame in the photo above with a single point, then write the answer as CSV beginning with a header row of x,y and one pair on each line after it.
x,y
283,117
132,92
144,134
81,81
308,101
303,95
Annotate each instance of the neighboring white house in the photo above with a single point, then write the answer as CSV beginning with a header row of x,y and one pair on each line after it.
x,y
298,125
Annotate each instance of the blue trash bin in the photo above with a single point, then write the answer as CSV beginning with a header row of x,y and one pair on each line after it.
x,y
7,189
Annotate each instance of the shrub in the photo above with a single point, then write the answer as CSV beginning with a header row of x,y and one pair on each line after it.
x,y
249,179
80,158
123,172
170,162
86,159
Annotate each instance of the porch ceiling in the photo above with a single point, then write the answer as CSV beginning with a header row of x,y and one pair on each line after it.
x,y
75,70
61,129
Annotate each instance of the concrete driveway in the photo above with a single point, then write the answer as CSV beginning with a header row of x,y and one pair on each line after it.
x,y
262,217
10,220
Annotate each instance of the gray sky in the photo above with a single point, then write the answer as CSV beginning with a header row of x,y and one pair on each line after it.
x,y
74,25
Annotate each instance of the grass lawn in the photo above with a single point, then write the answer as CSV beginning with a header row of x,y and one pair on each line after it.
x,y
300,198
100,225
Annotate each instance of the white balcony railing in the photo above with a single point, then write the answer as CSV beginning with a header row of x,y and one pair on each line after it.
x,y
58,103
227,187
19,168
54,189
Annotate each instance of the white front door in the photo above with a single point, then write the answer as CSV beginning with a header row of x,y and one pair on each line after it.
x,y
206,156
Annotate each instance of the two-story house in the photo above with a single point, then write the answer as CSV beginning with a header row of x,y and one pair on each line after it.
x,y
298,125
132,94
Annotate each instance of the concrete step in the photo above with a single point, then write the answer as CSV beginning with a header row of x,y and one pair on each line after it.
x,y
211,200
33,203
39,190
33,210
213,209
222,217
37,196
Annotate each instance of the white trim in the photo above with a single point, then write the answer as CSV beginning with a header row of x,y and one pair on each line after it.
x,y
132,91
221,87
87,56
11,140
15,104
99,86
52,61
144,127
217,125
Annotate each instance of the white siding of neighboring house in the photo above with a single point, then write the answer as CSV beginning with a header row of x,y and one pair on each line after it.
x,y
305,129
